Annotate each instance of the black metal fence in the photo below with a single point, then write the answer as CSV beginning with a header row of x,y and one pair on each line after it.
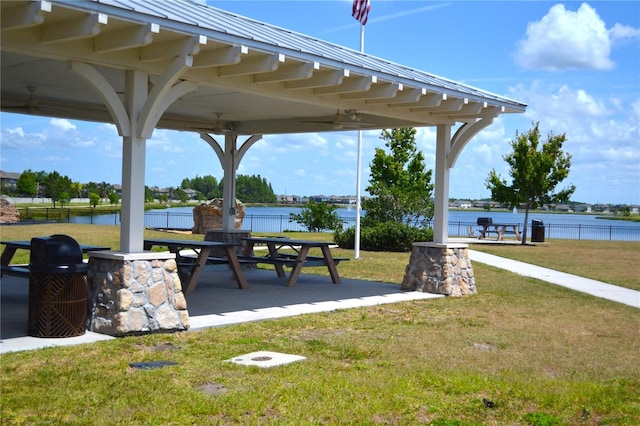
x,y
281,223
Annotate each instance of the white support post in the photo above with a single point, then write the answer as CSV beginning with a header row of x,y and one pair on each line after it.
x,y
441,202
133,167
229,187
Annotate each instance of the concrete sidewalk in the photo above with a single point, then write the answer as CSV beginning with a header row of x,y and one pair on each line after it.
x,y
217,301
584,285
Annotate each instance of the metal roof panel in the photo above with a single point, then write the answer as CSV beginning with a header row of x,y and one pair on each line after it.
x,y
194,17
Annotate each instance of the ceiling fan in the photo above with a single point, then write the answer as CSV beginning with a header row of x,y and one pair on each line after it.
x,y
218,127
349,119
31,105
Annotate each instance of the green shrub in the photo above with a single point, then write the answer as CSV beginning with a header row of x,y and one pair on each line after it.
x,y
384,236
317,217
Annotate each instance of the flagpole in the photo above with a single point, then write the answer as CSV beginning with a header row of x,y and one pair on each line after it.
x,y
356,246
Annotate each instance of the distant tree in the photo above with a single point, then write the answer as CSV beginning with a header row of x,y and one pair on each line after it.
x,y
64,198
103,188
317,217
207,185
252,189
26,184
76,189
41,178
55,185
400,184
114,198
170,193
180,195
535,172
149,196
90,187
94,199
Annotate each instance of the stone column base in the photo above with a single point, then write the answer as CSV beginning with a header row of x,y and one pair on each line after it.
x,y
134,293
440,269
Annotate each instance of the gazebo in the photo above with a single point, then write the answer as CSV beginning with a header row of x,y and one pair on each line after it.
x,y
185,66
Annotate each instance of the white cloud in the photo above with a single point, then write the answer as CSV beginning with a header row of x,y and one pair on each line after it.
x,y
62,124
17,131
16,138
602,136
563,109
568,40
623,32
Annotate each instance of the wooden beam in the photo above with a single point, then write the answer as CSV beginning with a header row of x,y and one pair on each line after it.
x,y
225,56
448,105
260,64
467,109
86,26
428,100
174,49
298,71
126,38
406,95
25,14
378,91
319,79
350,85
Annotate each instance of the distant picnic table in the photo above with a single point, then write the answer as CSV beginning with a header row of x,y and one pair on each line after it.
x,y
500,229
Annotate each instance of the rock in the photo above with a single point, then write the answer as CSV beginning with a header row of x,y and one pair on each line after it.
x,y
208,216
8,213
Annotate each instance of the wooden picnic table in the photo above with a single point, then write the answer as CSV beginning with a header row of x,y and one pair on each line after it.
x,y
189,268
279,259
500,229
23,270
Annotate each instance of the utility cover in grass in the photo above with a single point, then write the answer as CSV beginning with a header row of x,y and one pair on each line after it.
x,y
266,359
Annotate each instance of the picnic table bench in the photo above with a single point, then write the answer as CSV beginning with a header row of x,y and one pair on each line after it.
x,y
488,227
190,268
22,270
297,261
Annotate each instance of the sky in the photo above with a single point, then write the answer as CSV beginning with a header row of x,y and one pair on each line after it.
x,y
575,64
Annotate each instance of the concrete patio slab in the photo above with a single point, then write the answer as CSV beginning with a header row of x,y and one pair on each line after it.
x,y
217,302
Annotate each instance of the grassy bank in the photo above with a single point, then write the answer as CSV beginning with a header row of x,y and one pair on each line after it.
x,y
544,355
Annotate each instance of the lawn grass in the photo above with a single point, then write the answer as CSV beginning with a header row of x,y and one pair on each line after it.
x,y
543,354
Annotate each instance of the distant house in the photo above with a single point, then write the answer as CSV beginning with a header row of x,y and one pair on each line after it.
x,y
290,199
192,194
564,208
463,204
117,189
8,180
582,208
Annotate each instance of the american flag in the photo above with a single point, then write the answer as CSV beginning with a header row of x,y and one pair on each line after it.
x,y
361,10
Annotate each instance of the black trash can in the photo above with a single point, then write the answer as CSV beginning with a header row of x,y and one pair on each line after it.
x,y
57,287
537,231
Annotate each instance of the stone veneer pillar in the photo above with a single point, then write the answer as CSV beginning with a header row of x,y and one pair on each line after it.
x,y
440,269
134,293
